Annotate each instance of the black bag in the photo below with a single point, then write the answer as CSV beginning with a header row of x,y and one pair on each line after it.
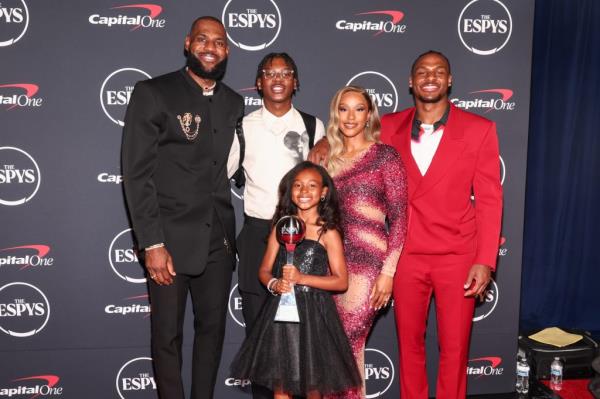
x,y
576,358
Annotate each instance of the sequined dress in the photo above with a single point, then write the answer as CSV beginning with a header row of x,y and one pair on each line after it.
x,y
371,190
299,357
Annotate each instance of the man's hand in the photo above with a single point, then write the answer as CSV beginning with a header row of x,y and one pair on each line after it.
x,y
319,154
160,266
477,280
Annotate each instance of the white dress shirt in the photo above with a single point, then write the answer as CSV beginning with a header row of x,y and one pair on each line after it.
x,y
424,149
274,145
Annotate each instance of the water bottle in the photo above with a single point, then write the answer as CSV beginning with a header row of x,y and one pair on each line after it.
x,y
522,375
556,374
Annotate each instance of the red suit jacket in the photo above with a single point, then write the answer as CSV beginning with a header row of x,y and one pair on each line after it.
x,y
442,217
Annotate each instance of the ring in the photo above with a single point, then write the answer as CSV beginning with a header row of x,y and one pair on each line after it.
x,y
152,276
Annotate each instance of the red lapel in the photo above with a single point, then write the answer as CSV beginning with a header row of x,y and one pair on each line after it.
x,y
401,141
451,146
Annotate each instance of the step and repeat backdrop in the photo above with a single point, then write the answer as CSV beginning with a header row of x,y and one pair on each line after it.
x,y
74,311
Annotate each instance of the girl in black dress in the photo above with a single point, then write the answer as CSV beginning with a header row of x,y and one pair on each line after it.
x,y
311,358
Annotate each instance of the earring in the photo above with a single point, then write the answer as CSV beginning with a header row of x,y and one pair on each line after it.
x,y
323,198
367,124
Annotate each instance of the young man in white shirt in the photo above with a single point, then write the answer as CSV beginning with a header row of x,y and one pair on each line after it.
x,y
277,137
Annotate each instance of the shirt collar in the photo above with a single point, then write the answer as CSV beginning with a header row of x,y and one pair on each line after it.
x,y
416,126
278,123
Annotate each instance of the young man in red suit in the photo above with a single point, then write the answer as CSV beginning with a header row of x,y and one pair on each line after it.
x,y
452,241
450,251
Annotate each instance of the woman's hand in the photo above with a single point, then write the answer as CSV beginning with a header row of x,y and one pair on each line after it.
x,y
281,286
292,274
382,291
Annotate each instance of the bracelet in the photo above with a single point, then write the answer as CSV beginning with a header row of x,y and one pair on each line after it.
x,y
270,285
159,245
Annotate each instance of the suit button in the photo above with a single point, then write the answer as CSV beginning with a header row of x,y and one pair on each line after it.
x,y
215,131
214,163
207,224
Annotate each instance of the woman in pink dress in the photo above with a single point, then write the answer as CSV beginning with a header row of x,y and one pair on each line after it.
x,y
371,182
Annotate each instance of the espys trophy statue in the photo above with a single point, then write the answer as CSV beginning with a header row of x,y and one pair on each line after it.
x,y
290,231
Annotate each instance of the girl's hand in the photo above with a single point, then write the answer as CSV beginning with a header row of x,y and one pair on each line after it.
x,y
382,291
292,274
282,286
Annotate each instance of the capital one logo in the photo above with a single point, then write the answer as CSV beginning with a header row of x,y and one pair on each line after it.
x,y
235,306
20,95
487,100
133,305
251,100
140,16
490,299
135,379
380,88
502,251
379,373
116,91
33,387
26,256
485,367
386,21
19,176
14,20
484,26
123,259
255,22
24,309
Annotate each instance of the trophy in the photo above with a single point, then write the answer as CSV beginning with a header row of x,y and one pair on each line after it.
x,y
290,231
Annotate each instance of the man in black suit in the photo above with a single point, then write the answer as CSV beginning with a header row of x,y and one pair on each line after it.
x,y
179,128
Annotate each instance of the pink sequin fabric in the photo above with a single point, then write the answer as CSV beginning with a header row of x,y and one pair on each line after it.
x,y
371,190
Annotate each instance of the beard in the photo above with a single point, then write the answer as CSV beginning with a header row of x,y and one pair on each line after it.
x,y
196,67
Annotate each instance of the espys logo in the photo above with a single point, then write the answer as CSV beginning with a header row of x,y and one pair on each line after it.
x,y
235,306
391,24
129,308
14,20
380,88
136,379
256,22
20,95
379,373
105,177
116,91
26,256
33,387
485,367
24,309
484,26
487,100
490,299
19,176
123,259
140,16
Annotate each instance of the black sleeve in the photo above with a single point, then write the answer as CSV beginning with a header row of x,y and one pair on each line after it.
x,y
139,154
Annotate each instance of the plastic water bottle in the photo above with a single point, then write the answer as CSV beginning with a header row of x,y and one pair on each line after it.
x,y
556,374
522,375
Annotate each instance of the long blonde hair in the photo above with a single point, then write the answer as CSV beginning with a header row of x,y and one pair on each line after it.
x,y
335,136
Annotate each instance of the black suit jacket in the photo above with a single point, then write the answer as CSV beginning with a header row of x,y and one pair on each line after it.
x,y
175,186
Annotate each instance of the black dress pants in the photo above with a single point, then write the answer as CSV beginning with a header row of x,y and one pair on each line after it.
x,y
210,293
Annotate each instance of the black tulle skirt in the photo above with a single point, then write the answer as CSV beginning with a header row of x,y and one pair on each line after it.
x,y
297,358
